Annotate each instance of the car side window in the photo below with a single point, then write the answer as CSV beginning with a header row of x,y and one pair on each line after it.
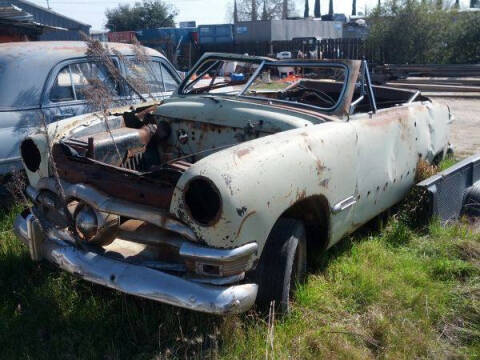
x,y
150,77
145,76
62,89
86,75
75,80
169,81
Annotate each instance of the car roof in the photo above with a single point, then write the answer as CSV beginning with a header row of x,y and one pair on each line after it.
x,y
58,50
24,67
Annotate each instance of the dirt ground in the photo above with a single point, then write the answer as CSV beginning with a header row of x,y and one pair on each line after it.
x,y
465,132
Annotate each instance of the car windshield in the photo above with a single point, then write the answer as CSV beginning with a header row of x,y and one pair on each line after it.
x,y
220,77
319,85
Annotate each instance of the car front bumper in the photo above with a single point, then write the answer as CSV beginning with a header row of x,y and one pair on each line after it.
x,y
133,279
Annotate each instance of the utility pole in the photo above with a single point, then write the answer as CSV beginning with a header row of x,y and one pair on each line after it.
x,y
354,7
330,8
48,4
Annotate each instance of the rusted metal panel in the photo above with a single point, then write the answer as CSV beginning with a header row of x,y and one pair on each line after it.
x,y
115,181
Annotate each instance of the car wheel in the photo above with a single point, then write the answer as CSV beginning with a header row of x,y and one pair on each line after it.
x,y
282,264
471,200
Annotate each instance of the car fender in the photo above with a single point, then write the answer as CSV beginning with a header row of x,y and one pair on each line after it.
x,y
260,179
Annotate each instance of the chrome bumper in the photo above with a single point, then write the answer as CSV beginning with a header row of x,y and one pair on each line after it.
x,y
133,279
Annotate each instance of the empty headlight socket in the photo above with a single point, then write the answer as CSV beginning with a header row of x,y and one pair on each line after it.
x,y
203,201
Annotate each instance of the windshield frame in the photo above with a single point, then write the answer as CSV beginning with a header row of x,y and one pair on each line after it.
x,y
263,62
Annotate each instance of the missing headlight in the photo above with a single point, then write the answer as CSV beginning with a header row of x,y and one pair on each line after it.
x,y
30,155
203,200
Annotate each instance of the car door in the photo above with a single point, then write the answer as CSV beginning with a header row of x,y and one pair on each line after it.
x,y
78,87
387,157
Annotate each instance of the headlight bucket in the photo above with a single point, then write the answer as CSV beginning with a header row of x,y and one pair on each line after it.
x,y
203,201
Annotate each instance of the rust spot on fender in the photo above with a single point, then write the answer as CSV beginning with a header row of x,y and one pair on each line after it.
x,y
320,167
301,195
324,183
242,152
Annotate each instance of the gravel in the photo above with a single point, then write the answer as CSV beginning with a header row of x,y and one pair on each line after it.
x,y
465,131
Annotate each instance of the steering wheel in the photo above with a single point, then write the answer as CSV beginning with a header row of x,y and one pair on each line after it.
x,y
323,96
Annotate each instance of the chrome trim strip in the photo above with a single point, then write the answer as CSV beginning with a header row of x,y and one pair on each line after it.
x,y
344,204
10,160
105,203
145,282
217,255
219,281
32,193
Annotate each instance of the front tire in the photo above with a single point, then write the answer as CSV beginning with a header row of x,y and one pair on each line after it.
x,y
282,264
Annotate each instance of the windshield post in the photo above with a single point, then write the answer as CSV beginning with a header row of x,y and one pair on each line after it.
x,y
252,78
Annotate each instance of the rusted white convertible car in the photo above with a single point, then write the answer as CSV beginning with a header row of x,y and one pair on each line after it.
x,y
211,200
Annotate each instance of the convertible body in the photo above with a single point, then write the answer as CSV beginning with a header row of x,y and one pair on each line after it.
x,y
181,202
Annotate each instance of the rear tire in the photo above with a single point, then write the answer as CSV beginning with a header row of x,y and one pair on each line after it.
x,y
282,265
471,200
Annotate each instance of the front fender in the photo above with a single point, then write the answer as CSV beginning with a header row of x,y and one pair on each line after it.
x,y
260,179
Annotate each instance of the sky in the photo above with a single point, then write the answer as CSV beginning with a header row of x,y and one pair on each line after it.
x,y
203,11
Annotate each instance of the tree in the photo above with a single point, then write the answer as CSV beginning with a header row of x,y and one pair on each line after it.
x,y
330,8
272,9
462,41
235,12
284,9
306,12
316,11
422,33
264,12
354,7
253,15
146,15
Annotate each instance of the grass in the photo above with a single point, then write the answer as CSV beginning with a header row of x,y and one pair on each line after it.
x,y
396,293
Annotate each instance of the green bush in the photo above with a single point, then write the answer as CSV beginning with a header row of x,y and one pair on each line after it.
x,y
419,32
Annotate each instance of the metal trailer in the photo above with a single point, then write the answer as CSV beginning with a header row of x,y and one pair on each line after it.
x,y
455,191
281,30
216,34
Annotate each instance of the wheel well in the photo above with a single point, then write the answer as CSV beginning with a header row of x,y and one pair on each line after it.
x,y
314,212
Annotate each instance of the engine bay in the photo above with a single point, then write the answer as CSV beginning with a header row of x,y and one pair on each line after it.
x,y
139,156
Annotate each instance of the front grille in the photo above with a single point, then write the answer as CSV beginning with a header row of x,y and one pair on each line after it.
x,y
135,162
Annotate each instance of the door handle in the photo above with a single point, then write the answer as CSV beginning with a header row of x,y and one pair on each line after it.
x,y
67,112
60,117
